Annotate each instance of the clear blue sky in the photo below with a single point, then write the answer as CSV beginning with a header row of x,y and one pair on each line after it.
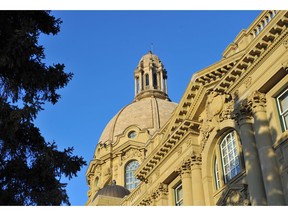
x,y
102,49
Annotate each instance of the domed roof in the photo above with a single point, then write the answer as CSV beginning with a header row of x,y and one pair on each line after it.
x,y
148,57
113,191
147,113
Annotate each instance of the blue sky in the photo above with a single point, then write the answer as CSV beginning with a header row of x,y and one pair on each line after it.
x,y
102,49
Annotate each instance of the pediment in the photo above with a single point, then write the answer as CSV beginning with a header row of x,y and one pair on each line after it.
x,y
235,195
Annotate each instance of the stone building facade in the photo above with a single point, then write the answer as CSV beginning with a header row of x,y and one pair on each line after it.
x,y
225,143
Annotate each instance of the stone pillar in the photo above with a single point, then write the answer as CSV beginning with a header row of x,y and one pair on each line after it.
x,y
252,164
166,87
161,81
135,85
197,183
186,184
267,156
140,81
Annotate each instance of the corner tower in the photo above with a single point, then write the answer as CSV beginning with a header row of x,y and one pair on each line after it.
x,y
150,78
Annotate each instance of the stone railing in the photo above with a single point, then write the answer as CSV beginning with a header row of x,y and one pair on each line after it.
x,y
260,24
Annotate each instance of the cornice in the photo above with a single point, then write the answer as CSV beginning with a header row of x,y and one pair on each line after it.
x,y
159,154
258,49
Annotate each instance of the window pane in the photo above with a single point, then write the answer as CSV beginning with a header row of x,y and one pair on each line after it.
x,y
284,102
178,195
130,180
286,120
230,157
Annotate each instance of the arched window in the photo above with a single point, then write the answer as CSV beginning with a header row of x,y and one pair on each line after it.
x,y
96,181
155,80
147,80
230,157
131,181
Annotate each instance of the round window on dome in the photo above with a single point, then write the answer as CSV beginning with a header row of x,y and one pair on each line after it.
x,y
132,134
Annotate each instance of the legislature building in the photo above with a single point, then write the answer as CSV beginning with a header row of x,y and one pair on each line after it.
x,y
225,143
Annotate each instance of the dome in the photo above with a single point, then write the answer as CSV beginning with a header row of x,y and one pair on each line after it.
x,y
113,191
147,58
148,113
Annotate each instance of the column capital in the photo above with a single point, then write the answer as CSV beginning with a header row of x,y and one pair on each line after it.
x,y
243,113
160,191
257,101
196,160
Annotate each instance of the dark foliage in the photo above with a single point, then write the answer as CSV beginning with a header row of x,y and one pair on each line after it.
x,y
30,167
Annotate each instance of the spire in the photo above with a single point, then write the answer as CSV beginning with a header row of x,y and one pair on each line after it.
x,y
150,78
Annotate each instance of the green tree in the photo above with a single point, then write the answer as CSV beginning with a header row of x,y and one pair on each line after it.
x,y
30,168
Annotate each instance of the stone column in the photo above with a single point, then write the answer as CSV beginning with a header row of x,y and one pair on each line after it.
x,y
197,184
252,164
186,184
140,81
267,156
135,85
161,81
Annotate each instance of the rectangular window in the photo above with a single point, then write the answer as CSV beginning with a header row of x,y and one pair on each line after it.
x,y
178,195
282,102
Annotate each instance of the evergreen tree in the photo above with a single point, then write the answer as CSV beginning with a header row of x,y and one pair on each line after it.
x,y
30,167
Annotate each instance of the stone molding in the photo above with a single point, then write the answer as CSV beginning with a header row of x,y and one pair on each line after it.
x,y
285,66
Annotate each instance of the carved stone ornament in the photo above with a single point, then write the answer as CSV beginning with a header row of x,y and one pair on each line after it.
x,y
227,110
179,150
257,101
235,195
196,159
131,153
147,201
157,173
243,108
218,108
160,191
285,43
248,82
189,142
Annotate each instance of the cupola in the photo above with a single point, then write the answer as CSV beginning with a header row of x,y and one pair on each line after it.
x,y
150,78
